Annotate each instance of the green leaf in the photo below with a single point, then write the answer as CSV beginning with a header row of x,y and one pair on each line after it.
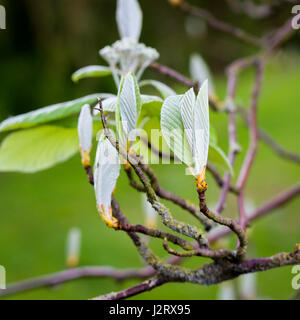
x,y
91,72
217,157
162,88
151,106
36,149
47,114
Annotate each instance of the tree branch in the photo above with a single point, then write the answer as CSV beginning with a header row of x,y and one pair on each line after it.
x,y
218,24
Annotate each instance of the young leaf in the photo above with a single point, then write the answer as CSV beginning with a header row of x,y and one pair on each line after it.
x,y
217,157
91,72
173,130
36,149
200,71
201,129
129,19
128,106
47,114
85,134
187,110
73,247
106,173
163,89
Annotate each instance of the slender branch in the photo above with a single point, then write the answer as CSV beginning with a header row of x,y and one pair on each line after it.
x,y
219,180
73,274
264,136
175,198
228,222
276,202
251,9
218,24
175,75
134,290
155,233
201,252
253,128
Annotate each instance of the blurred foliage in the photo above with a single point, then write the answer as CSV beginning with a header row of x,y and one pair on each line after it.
x,y
45,42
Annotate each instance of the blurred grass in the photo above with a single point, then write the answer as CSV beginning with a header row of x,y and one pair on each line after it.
x,y
38,210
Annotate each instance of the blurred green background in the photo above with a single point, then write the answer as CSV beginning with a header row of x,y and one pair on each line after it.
x,y
45,41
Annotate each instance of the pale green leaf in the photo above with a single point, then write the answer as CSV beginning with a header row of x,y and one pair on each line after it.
x,y
36,149
91,72
218,158
47,114
162,88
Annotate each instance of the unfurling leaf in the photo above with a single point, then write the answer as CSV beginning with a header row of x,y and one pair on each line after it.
x,y
36,149
85,134
195,117
163,89
47,114
129,19
200,72
106,173
201,129
173,130
128,107
185,127
73,247
91,72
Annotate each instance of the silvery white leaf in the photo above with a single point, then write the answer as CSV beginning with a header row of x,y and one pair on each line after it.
x,y
187,110
85,128
129,19
200,71
128,106
173,130
106,173
201,128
